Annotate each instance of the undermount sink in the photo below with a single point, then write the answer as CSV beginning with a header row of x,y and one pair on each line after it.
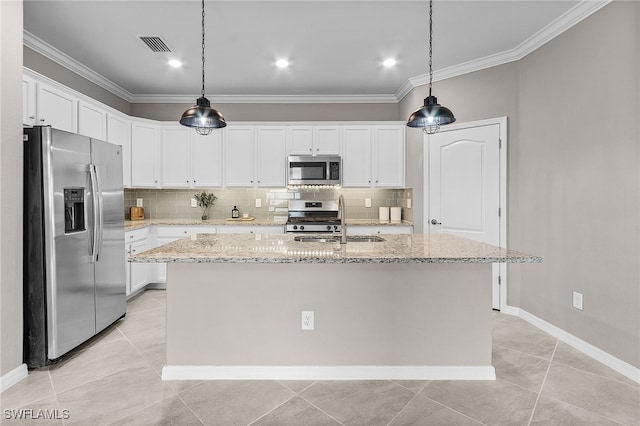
x,y
336,239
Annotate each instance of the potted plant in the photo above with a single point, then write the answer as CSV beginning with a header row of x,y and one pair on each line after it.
x,y
205,200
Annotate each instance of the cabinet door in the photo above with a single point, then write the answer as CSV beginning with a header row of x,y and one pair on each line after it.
x,y
206,159
28,101
270,157
238,156
56,108
372,230
140,272
92,121
389,157
127,269
300,141
145,153
356,158
119,133
174,166
326,140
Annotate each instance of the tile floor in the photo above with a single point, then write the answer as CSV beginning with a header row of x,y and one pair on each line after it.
x,y
114,379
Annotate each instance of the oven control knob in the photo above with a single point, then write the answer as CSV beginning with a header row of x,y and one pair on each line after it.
x,y
295,226
335,227
301,227
328,227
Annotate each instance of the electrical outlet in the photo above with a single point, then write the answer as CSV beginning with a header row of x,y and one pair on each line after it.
x,y
139,202
577,300
258,202
367,202
307,320
408,203
194,202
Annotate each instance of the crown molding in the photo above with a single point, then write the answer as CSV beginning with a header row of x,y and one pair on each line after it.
x,y
268,99
40,46
573,16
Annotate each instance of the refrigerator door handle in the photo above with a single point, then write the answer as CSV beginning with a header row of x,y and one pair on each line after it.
x,y
97,214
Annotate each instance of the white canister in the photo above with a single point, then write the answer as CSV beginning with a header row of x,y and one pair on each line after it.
x,y
383,214
396,214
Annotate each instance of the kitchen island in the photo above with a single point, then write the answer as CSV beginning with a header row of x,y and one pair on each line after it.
x,y
409,307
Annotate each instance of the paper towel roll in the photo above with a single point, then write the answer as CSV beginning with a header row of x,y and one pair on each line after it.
x,y
396,214
383,214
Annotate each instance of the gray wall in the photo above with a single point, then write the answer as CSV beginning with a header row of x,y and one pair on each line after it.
x,y
45,66
577,185
573,183
10,186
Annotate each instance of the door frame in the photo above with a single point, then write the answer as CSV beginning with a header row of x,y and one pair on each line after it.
x,y
502,126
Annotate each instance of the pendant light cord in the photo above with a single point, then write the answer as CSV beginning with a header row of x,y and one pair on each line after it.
x,y
203,48
430,45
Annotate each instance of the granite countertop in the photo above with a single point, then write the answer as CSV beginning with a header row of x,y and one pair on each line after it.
x,y
413,248
130,225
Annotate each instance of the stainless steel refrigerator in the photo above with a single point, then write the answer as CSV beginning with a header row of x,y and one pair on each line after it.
x,y
74,263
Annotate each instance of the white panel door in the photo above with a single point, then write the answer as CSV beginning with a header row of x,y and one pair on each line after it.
x,y
326,140
28,101
356,157
238,156
270,157
300,140
206,159
464,186
175,167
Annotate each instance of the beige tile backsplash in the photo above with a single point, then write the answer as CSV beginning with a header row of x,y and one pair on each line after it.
x,y
175,203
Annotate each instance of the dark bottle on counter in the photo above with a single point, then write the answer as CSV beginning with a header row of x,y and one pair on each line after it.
x,y
235,213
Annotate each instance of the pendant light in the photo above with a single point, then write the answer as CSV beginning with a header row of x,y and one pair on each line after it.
x,y
201,116
432,115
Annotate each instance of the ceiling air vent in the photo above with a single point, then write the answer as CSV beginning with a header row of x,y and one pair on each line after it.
x,y
155,43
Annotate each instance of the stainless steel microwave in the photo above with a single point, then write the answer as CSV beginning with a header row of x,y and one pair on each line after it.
x,y
318,170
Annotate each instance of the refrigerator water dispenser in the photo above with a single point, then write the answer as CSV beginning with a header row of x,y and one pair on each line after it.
x,y
73,210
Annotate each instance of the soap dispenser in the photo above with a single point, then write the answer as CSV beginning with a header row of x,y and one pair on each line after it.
x,y
235,214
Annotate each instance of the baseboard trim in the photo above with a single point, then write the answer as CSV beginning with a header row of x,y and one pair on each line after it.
x,y
594,352
351,372
13,377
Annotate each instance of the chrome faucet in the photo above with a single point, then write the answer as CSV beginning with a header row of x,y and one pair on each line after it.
x,y
343,227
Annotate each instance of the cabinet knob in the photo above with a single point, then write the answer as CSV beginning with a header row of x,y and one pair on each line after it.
x,y
31,117
42,119
184,232
310,149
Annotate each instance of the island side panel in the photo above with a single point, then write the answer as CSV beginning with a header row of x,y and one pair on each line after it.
x,y
395,314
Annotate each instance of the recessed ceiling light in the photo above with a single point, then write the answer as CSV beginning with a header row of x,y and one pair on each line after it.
x,y
389,62
175,63
282,63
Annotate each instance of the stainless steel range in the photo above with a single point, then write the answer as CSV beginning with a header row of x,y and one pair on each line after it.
x,y
313,216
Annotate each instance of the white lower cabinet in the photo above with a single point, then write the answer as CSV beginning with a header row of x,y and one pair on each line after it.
x,y
138,275
247,229
385,229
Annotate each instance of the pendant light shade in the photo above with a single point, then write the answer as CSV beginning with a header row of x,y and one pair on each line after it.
x,y
201,116
432,115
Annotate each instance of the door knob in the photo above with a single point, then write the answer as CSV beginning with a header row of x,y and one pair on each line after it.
x,y
435,222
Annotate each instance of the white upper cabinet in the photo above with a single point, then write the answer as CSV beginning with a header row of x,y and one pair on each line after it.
x,y
56,108
356,156
28,101
119,133
190,160
254,156
270,158
175,157
206,159
313,140
145,155
373,156
92,120
238,156
389,156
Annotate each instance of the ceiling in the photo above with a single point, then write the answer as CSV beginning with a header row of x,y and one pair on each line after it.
x,y
336,48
